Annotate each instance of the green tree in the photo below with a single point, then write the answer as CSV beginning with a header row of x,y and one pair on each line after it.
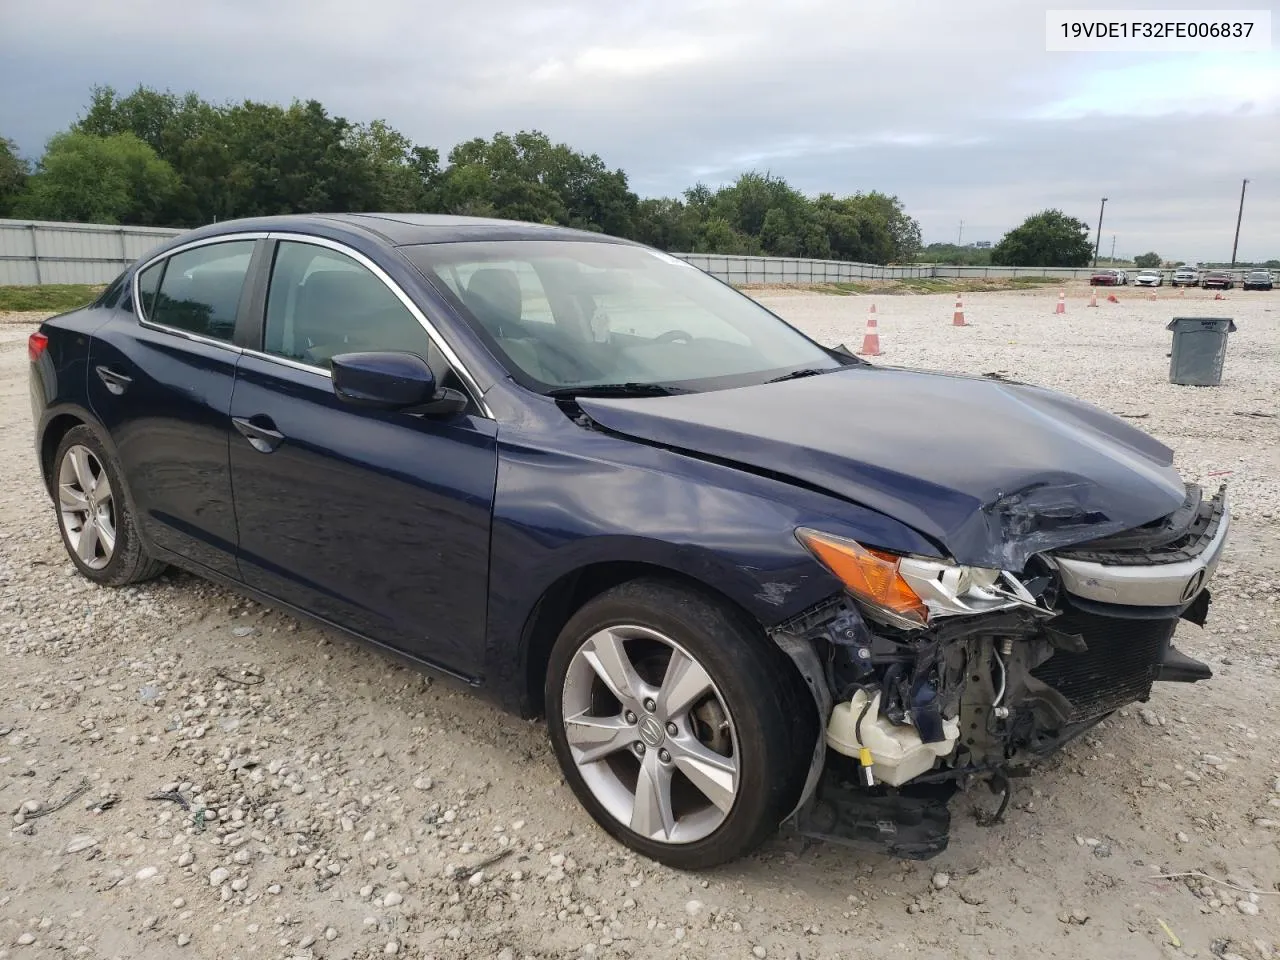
x,y
1147,260
666,223
249,159
115,179
1046,239
403,177
886,211
528,177
718,236
954,254
14,171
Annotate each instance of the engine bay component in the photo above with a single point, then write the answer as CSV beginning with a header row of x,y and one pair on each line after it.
x,y
897,752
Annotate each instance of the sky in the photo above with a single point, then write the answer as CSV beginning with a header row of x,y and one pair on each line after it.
x,y
953,105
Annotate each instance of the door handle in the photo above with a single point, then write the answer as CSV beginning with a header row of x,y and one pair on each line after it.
x,y
262,436
116,383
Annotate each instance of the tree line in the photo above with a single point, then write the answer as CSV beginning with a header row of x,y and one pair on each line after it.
x,y
155,158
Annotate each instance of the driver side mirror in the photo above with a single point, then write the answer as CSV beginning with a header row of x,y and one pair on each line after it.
x,y
392,381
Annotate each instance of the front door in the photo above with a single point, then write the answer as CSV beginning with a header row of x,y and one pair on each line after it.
x,y
377,521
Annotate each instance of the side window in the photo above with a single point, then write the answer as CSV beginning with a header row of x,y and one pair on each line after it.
x,y
200,289
110,297
148,284
322,303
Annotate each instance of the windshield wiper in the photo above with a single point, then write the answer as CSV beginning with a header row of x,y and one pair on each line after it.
x,y
797,374
617,390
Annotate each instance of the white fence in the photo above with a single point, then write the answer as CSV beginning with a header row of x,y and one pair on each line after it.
x,y
38,251
794,270
791,270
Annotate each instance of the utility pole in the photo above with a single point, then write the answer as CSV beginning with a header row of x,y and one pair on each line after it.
x,y
1098,241
1113,248
1239,217
960,233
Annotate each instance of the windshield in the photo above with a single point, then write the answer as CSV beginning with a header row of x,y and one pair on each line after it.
x,y
565,315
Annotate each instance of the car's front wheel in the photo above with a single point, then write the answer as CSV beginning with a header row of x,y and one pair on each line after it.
x,y
95,515
679,727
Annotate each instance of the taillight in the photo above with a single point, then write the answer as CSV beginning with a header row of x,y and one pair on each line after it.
x,y
37,344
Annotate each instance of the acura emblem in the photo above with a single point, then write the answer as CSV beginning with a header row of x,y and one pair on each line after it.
x,y
1193,585
651,731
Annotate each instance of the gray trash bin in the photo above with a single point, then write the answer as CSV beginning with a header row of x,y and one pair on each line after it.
x,y
1199,350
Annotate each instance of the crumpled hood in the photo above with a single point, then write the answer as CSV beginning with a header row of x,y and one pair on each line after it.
x,y
994,472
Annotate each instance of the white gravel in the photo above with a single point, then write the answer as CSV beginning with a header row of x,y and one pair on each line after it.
x,y
345,779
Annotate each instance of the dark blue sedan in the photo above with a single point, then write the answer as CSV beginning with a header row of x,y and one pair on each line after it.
x,y
749,579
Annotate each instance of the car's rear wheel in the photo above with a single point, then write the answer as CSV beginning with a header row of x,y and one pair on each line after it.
x,y
95,514
684,733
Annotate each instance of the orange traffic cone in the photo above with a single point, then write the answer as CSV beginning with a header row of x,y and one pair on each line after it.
x,y
1062,302
870,339
1093,296
957,319
1112,298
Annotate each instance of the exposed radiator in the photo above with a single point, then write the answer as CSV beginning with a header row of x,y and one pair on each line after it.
x,y
1117,668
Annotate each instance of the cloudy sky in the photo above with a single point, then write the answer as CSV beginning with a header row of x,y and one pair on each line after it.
x,y
953,105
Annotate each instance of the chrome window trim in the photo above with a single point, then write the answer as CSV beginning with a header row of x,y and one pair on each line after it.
x,y
428,327
165,255
286,362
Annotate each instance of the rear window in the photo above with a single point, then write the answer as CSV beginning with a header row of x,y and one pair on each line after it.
x,y
110,297
198,290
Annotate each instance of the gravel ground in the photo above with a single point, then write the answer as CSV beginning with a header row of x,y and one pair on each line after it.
x,y
183,772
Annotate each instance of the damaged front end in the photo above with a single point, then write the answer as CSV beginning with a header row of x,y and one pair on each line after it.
x,y
929,675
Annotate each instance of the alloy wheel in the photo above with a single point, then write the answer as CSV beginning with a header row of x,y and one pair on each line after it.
x,y
86,504
651,735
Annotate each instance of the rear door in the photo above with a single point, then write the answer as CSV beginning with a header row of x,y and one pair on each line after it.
x,y
377,521
160,381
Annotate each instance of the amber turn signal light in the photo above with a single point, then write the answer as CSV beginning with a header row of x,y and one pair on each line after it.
x,y
870,575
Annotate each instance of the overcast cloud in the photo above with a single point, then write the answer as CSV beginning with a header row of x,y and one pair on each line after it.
x,y
953,106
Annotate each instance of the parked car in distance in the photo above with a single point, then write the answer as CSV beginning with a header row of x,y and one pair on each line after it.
x,y
1258,280
597,485
1106,278
1149,278
1186,277
1217,279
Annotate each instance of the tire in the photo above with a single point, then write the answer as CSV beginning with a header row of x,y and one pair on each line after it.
x,y
755,717
83,461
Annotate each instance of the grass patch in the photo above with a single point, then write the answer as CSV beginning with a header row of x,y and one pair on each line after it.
x,y
48,297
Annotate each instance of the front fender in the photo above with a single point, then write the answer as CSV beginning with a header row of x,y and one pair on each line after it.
x,y
564,507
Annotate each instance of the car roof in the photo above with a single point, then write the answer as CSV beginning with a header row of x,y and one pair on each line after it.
x,y
403,229
415,228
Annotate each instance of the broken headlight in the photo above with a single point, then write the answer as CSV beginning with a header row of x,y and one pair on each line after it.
x,y
911,591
